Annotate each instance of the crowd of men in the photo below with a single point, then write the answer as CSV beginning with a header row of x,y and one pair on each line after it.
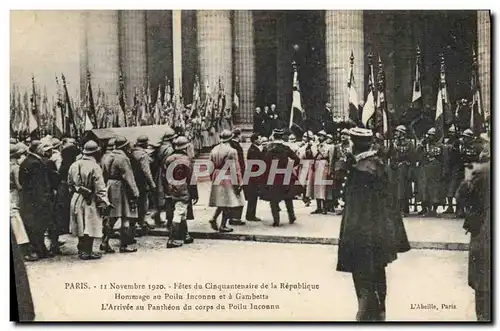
x,y
59,187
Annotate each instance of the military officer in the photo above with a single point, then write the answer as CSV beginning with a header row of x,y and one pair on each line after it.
x,y
141,165
251,189
225,194
454,167
369,238
339,157
235,143
402,157
122,193
281,187
292,143
163,202
110,146
89,200
474,193
181,189
432,169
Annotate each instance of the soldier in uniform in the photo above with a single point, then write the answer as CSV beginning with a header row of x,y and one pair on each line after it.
x,y
56,153
182,189
369,237
16,150
474,194
122,193
251,190
141,165
235,143
225,194
402,157
337,163
258,121
320,173
432,169
292,143
89,200
277,189
110,146
163,203
37,197
454,167
470,148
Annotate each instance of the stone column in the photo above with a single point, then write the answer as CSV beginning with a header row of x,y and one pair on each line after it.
x,y
484,58
103,51
133,51
244,64
344,33
177,50
215,50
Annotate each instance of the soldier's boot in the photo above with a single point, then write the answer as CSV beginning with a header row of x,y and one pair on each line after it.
x,y
223,225
107,232
424,210
449,209
324,210
319,209
126,236
90,249
187,237
290,211
81,246
175,237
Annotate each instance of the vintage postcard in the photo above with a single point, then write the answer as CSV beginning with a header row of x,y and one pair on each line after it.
x,y
250,165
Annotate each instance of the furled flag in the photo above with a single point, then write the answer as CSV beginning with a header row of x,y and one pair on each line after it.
x,y
208,100
90,111
381,116
33,114
221,99
297,111
14,112
476,112
236,98
59,111
167,98
444,116
122,102
70,123
196,98
352,94
369,107
158,107
417,84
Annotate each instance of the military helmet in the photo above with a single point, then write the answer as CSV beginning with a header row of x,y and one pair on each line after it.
x,y
169,135
142,139
121,142
181,142
468,133
111,144
431,132
401,128
292,138
322,133
452,129
90,147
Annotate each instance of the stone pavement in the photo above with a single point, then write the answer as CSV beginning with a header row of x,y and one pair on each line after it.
x,y
423,233
427,277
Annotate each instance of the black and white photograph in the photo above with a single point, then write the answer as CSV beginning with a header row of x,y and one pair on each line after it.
x,y
229,165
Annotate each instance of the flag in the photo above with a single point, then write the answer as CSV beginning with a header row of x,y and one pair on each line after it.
x,y
70,123
158,107
236,98
352,94
122,100
369,107
14,112
33,113
297,111
381,114
196,97
417,84
476,112
444,116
